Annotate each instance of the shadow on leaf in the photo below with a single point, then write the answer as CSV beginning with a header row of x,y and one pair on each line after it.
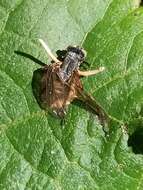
x,y
136,141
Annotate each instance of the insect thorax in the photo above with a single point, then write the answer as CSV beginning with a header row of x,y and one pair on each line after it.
x,y
74,57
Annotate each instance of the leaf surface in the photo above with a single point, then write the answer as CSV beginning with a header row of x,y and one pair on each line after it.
x,y
36,152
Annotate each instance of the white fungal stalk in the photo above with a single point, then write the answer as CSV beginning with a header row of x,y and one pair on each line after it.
x,y
50,54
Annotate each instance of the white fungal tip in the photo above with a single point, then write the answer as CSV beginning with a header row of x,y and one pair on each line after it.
x,y
102,68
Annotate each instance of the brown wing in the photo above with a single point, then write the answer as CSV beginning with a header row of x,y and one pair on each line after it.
x,y
90,101
46,87
54,93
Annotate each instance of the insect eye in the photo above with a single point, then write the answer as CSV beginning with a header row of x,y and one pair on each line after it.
x,y
70,48
77,50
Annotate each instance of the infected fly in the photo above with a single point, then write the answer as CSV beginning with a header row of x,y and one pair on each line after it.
x,y
60,83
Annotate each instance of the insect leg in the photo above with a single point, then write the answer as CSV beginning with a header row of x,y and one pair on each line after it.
x,y
89,73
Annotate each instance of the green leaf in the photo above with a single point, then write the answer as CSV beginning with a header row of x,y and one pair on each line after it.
x,y
36,151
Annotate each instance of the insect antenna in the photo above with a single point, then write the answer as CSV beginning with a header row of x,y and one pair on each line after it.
x,y
48,50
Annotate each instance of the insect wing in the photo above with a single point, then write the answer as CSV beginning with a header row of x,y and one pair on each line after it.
x,y
92,104
52,92
46,87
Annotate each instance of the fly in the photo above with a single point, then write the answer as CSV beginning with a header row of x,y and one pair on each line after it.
x,y
60,83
